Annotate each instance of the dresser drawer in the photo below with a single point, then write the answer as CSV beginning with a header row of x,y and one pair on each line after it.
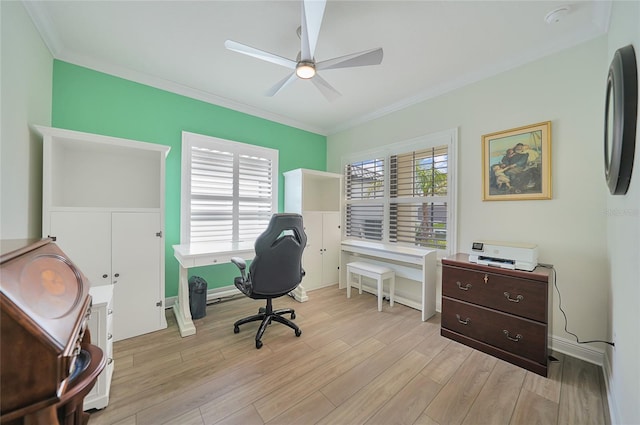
x,y
519,336
522,297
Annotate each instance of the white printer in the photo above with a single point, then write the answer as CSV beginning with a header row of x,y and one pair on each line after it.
x,y
506,255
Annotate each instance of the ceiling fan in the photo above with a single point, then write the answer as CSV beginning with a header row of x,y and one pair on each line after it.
x,y
306,67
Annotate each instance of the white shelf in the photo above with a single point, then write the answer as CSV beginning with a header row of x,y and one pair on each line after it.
x,y
92,171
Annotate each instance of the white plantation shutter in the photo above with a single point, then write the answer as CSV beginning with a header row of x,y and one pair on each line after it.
x,y
404,193
364,189
255,195
230,189
418,192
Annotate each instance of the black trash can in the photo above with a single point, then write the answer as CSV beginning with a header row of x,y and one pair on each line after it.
x,y
197,297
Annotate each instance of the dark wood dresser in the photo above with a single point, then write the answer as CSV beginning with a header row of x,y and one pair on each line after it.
x,y
498,311
47,361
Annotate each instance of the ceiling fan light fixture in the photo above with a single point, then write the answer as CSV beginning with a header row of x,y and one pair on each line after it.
x,y
305,70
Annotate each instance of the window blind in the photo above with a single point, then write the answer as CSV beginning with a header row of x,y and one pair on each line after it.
x,y
364,189
418,189
402,194
232,189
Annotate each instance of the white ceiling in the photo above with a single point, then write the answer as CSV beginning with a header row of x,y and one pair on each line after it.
x,y
430,47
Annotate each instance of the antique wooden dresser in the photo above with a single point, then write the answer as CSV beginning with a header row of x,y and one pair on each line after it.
x,y
498,311
47,363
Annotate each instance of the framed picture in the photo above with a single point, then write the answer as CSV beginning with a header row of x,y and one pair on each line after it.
x,y
516,163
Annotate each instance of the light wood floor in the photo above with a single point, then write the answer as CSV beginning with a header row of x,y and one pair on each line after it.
x,y
352,365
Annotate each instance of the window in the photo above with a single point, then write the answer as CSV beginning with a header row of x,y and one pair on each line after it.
x,y
404,193
229,189
365,199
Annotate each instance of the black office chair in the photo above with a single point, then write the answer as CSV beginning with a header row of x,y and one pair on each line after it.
x,y
275,271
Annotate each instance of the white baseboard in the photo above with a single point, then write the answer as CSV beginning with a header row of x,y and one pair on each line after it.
x,y
212,295
613,406
573,349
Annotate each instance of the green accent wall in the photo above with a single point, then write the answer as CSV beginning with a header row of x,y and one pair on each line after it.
x,y
94,102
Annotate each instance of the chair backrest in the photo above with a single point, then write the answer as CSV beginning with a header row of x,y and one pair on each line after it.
x,y
277,266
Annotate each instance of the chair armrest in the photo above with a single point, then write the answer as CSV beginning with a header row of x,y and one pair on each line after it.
x,y
241,264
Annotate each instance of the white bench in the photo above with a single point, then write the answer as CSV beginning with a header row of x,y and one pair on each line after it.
x,y
373,271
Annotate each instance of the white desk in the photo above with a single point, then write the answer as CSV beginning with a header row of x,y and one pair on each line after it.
x,y
196,255
417,264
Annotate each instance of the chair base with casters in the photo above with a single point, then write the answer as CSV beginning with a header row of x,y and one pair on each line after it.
x,y
266,315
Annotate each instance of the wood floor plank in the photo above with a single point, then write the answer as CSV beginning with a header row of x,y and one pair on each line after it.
x,y
454,401
366,402
306,412
131,420
534,409
424,419
407,405
580,397
506,380
246,416
349,353
221,386
446,362
192,417
278,402
349,383
433,345
291,372
548,387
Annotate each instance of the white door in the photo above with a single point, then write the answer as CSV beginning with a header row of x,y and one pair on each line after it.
x,y
312,255
138,302
331,247
86,238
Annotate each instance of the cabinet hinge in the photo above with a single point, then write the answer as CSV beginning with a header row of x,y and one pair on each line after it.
x,y
159,304
159,234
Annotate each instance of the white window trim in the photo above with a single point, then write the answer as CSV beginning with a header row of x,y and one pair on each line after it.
x,y
192,139
446,137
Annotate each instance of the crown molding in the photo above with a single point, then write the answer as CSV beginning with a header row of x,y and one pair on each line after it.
x,y
472,77
37,12
601,12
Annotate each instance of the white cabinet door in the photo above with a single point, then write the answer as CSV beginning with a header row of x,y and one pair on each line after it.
x,y
321,257
139,291
331,247
312,255
86,238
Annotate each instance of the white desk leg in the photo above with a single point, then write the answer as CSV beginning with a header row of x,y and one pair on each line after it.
x,y
181,307
300,294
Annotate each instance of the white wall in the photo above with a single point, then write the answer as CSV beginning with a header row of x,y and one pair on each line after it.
x,y
26,82
567,89
623,242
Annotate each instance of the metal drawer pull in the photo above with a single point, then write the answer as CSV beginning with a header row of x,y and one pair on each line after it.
x,y
516,339
465,321
463,288
513,300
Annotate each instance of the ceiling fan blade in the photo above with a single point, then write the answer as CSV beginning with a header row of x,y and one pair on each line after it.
x,y
312,13
260,54
325,88
367,57
281,84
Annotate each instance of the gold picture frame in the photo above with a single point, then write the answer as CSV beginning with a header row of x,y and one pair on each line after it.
x,y
516,163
